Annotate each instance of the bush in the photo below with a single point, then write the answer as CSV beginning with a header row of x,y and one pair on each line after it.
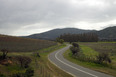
x,y
59,40
74,50
103,57
36,54
18,75
2,75
4,53
29,72
23,61
75,45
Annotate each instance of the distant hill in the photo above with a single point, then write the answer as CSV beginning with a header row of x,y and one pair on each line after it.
x,y
18,44
52,34
109,32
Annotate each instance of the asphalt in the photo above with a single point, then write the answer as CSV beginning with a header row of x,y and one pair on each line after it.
x,y
71,68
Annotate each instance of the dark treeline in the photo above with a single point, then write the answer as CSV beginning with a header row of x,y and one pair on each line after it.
x,y
85,37
107,39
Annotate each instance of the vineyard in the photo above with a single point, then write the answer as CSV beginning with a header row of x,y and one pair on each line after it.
x,y
18,44
32,59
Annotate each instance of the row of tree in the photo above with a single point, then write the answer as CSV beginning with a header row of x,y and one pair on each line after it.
x,y
85,37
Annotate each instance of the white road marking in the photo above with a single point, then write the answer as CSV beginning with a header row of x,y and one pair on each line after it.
x,y
60,67
73,66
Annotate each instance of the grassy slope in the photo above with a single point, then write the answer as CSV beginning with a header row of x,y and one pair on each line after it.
x,y
87,51
42,66
47,67
22,46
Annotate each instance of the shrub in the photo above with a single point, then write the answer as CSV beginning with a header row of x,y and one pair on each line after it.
x,y
23,61
2,75
36,54
103,57
75,45
29,72
4,53
74,50
60,40
18,75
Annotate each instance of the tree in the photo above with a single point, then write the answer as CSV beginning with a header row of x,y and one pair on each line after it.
x,y
103,57
75,45
23,61
60,40
4,53
85,37
74,50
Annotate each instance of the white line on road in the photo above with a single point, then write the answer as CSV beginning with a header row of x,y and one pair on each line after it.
x,y
73,66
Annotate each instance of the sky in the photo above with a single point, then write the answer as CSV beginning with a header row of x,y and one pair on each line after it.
x,y
25,17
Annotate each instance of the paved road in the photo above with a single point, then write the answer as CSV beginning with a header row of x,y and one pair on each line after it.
x,y
69,67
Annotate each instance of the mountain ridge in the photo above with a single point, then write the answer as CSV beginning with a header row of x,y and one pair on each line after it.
x,y
52,34
108,32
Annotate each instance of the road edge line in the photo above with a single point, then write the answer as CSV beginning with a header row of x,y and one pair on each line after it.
x,y
60,67
73,66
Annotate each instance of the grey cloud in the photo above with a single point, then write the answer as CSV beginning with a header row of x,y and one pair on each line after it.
x,y
16,14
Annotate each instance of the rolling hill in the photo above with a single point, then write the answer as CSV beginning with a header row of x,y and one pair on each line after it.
x,y
109,32
53,34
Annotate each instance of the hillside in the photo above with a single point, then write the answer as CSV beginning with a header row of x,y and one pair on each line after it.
x,y
21,63
52,34
18,44
109,32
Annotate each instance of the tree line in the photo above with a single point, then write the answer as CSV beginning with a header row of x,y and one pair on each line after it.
x,y
85,37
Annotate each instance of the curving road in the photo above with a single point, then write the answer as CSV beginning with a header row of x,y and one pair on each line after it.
x,y
71,68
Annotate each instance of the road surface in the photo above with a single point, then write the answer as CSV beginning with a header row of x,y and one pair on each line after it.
x,y
71,68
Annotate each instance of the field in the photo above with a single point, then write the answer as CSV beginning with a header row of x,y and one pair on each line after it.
x,y
42,66
17,44
109,47
91,50
24,47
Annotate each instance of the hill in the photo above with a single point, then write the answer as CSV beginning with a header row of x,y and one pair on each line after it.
x,y
18,44
109,32
53,34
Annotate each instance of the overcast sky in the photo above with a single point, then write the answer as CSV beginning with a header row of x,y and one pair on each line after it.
x,y
25,17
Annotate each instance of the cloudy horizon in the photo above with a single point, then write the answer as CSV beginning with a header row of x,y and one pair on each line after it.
x,y
25,17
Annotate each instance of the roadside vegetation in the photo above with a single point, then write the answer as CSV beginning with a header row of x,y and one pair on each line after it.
x,y
19,59
100,56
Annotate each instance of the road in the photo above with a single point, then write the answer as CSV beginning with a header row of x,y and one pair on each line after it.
x,y
71,68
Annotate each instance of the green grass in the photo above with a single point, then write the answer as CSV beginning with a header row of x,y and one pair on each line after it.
x,y
89,52
42,66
